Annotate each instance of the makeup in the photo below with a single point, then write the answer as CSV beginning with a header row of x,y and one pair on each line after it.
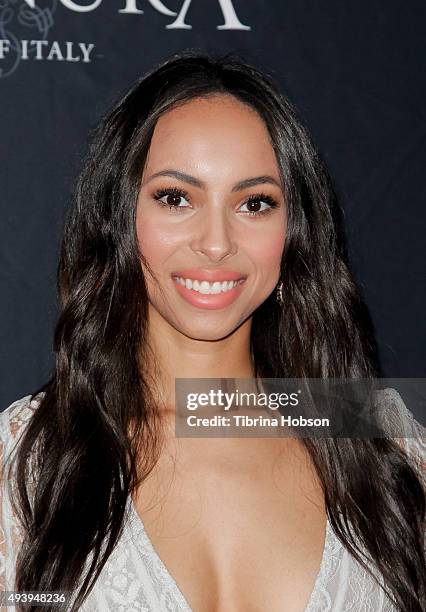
x,y
211,290
176,193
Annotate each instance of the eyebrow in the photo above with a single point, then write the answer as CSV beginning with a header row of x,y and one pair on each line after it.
x,y
192,180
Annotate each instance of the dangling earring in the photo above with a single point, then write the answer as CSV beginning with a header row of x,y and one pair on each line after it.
x,y
279,294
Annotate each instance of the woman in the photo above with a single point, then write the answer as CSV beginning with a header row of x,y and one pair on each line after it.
x,y
202,244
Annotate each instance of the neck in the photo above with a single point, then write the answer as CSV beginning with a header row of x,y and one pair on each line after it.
x,y
179,356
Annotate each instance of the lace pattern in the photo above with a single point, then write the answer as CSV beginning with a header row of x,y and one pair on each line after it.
x,y
134,579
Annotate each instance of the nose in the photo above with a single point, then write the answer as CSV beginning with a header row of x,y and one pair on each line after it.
x,y
214,235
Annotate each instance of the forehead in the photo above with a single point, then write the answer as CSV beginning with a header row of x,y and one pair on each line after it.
x,y
216,134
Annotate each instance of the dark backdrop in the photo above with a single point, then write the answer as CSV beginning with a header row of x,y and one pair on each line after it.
x,y
355,71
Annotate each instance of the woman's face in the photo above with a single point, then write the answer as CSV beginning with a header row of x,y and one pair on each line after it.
x,y
210,208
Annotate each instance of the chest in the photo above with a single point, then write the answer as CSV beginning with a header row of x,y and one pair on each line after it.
x,y
239,524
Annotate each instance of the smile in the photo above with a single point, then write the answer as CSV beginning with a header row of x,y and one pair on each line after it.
x,y
208,295
205,287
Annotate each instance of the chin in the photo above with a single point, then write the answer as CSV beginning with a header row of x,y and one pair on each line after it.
x,y
214,330
205,334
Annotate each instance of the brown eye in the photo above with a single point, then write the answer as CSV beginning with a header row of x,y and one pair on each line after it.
x,y
172,200
172,197
254,206
258,205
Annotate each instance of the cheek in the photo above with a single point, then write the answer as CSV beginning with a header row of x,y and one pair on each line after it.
x,y
267,249
156,240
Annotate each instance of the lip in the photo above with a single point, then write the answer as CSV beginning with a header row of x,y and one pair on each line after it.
x,y
209,301
209,275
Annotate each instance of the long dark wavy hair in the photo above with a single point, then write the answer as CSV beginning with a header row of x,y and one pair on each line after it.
x,y
95,436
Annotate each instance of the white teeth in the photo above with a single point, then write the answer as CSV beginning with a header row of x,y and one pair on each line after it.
x,y
205,287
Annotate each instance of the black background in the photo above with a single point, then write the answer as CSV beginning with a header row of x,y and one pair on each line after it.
x,y
354,70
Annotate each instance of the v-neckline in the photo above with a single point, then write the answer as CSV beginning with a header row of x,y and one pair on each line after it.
x,y
141,537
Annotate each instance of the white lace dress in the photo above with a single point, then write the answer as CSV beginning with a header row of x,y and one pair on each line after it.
x,y
134,577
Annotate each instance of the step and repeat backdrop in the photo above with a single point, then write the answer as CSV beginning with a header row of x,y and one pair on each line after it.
x,y
354,70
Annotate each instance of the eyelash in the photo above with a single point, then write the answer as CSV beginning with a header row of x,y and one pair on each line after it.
x,y
175,191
